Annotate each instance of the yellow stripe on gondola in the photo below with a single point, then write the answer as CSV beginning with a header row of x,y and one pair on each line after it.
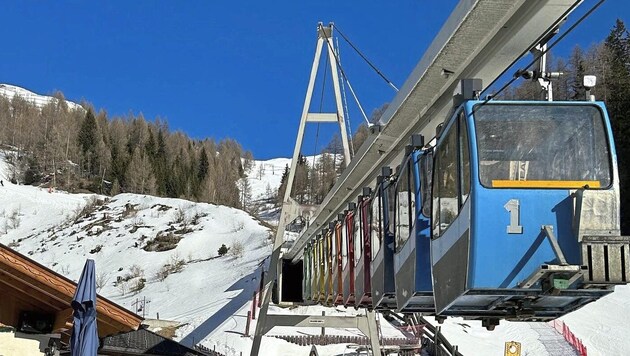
x,y
570,184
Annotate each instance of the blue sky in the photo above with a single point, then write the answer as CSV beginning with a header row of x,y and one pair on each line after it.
x,y
220,69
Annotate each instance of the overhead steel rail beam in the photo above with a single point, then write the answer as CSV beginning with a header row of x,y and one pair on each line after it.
x,y
480,39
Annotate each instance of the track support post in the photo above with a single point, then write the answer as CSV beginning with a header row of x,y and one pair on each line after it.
x,y
290,208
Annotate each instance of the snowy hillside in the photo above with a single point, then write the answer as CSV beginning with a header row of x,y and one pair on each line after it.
x,y
40,101
129,238
166,250
264,179
266,174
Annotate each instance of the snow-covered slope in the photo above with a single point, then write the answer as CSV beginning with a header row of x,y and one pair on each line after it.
x,y
189,283
40,101
211,295
266,174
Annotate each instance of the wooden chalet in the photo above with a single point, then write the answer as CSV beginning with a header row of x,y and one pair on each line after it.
x,y
29,290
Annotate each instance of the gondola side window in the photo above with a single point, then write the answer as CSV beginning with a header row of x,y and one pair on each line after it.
x,y
305,264
426,175
391,208
464,160
345,242
376,224
333,244
324,253
445,185
358,235
329,250
405,206
321,258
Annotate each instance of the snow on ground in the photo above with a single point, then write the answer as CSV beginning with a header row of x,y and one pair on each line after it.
x,y
55,230
264,179
604,326
211,295
10,91
265,174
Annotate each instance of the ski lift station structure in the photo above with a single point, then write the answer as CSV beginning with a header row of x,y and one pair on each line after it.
x,y
569,263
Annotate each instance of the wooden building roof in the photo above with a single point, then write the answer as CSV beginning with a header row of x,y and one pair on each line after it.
x,y
27,286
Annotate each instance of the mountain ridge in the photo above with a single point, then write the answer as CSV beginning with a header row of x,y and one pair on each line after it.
x,y
9,91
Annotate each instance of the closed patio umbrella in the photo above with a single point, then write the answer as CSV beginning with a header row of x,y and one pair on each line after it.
x,y
84,340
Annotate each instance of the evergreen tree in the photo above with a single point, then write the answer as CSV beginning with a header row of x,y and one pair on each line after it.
x,y
223,250
301,181
87,140
576,62
160,166
246,194
204,165
618,88
115,190
283,185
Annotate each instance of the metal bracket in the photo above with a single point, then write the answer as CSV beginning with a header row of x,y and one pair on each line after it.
x,y
547,271
548,230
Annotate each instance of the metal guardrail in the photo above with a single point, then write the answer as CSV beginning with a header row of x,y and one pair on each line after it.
x,y
438,343
431,338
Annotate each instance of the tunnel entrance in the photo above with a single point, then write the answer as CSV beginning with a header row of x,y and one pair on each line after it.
x,y
292,276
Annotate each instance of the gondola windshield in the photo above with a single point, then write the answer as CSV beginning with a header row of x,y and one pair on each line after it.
x,y
542,146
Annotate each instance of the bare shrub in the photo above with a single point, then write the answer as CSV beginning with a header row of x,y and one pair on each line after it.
x,y
130,210
174,265
96,249
163,241
101,280
196,217
237,249
122,288
136,271
85,211
138,285
14,218
180,216
65,270
137,222
238,226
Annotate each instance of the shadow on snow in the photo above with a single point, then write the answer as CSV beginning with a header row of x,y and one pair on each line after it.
x,y
247,285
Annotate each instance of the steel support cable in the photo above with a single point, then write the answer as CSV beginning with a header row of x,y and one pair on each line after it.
x,y
343,74
542,53
354,95
345,107
366,60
